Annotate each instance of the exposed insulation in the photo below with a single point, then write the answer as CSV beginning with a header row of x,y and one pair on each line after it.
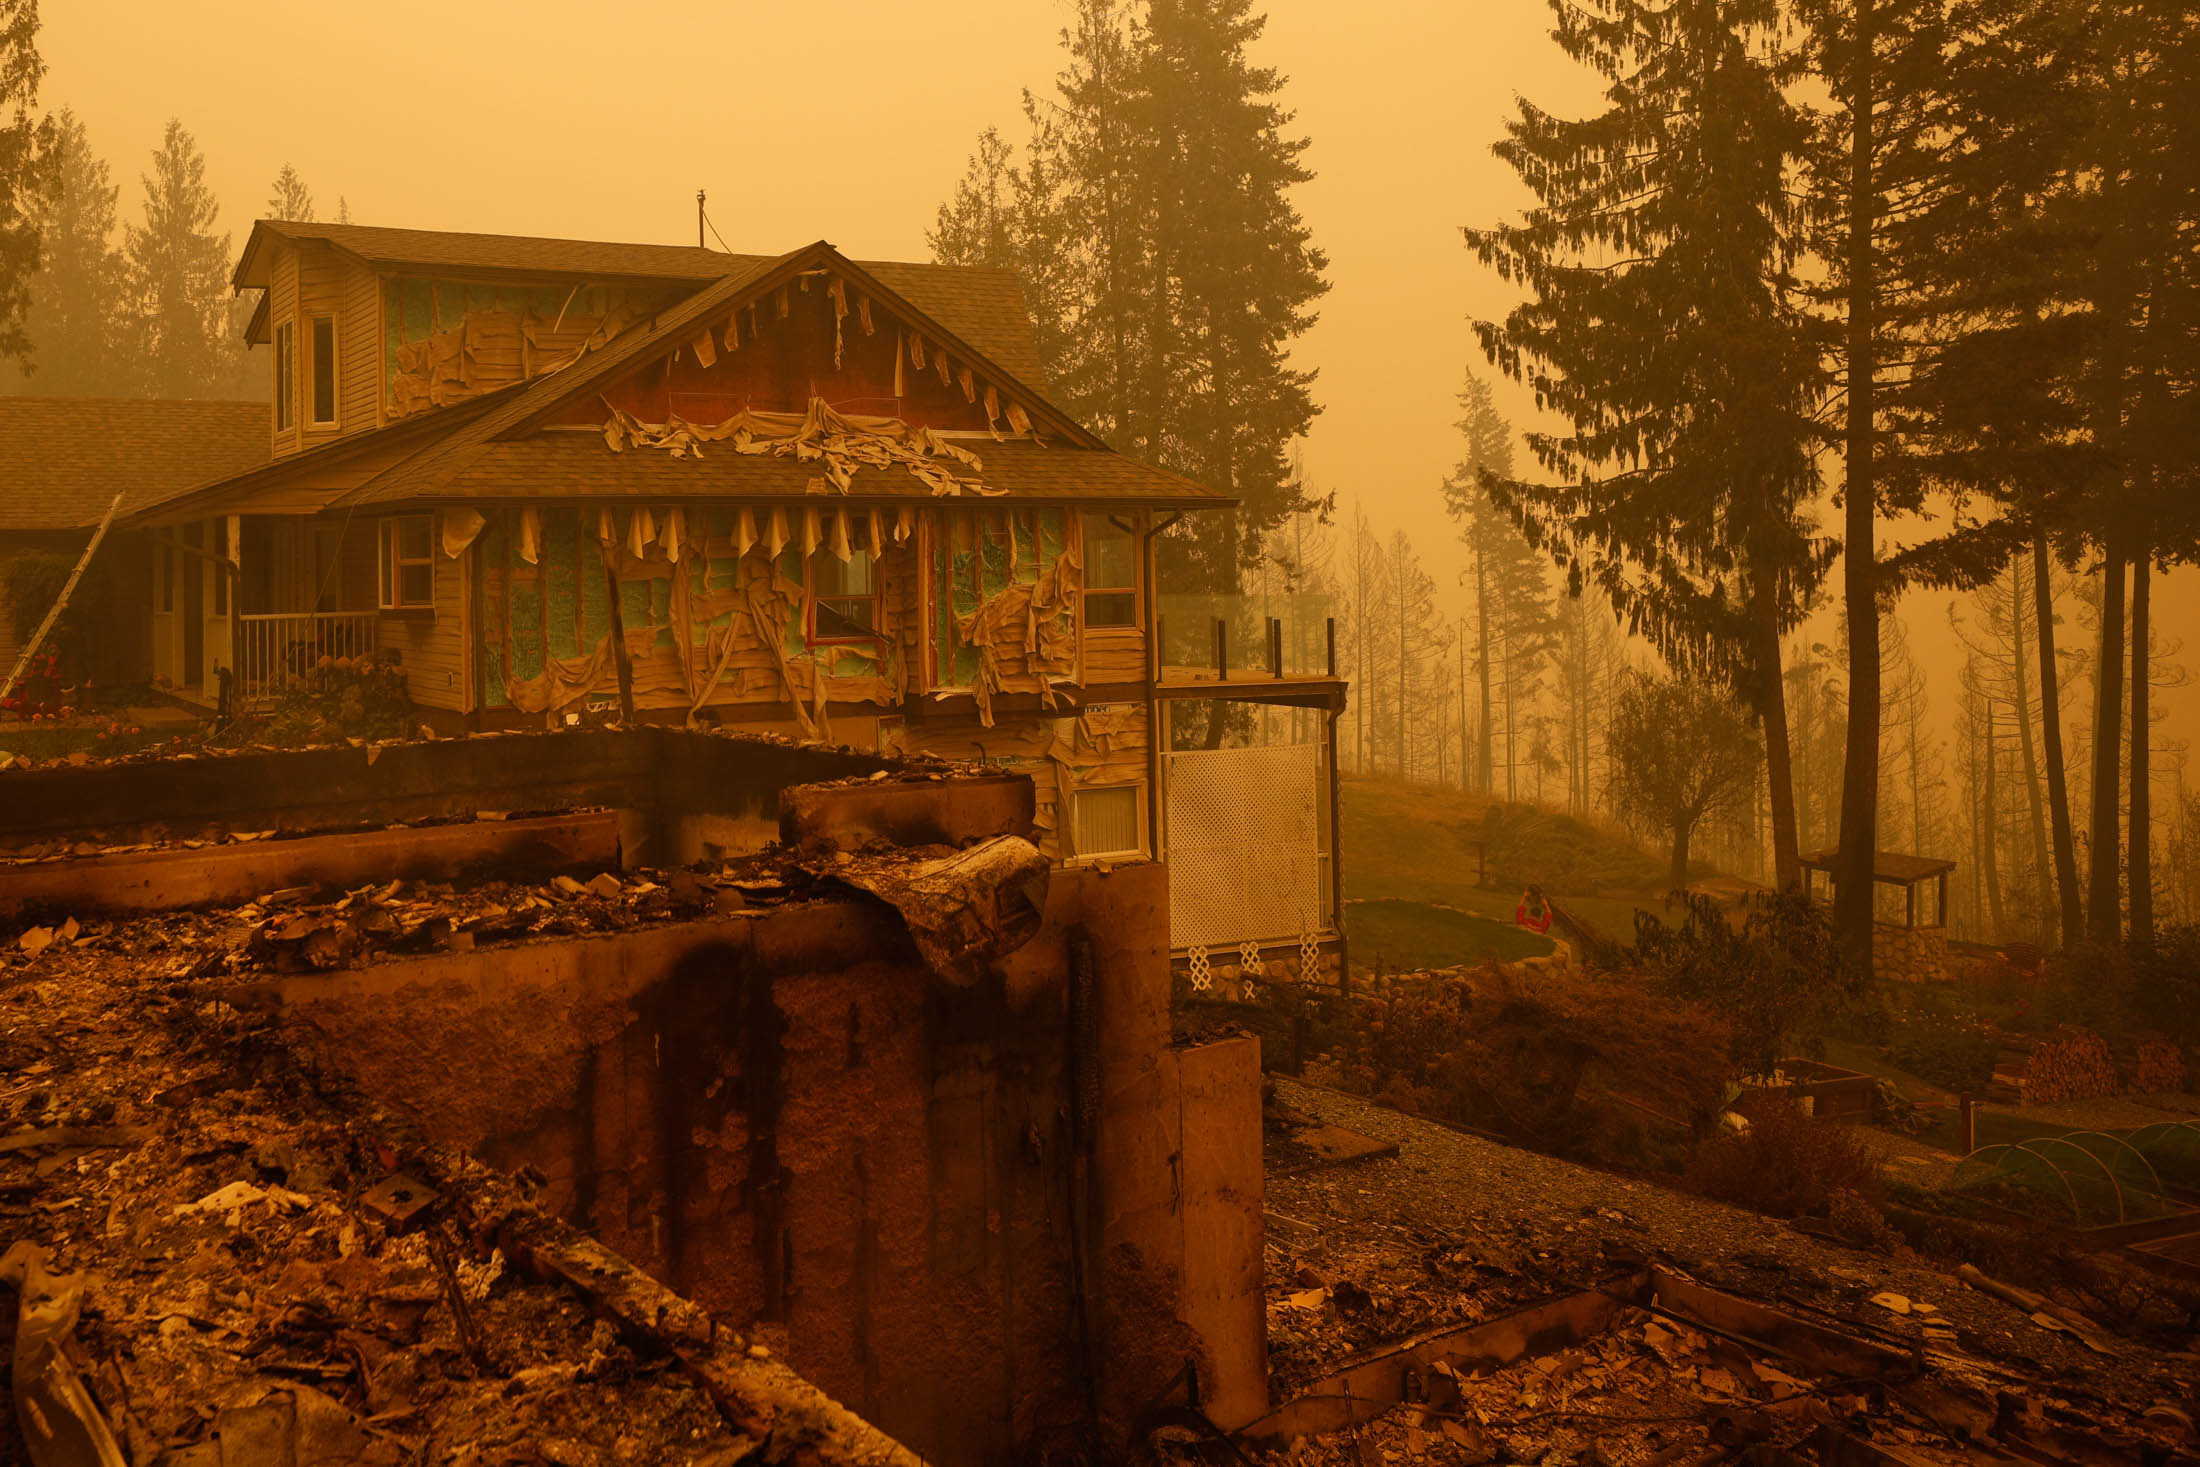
x,y
1004,591
721,624
840,443
447,341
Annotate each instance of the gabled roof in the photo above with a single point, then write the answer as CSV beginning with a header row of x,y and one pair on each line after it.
x,y
67,457
984,306
420,429
435,473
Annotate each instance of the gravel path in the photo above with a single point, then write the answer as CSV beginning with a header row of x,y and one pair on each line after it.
x,y
1569,1216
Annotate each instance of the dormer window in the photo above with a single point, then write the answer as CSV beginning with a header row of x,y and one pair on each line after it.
x,y
323,341
286,377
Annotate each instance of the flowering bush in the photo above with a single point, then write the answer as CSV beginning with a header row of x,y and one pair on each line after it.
x,y
341,698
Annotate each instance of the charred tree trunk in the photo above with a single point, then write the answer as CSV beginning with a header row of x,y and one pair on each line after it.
x,y
2024,746
1992,841
2142,801
1787,861
1482,618
2104,913
2058,777
1852,898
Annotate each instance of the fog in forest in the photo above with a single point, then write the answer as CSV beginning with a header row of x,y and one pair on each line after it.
x,y
853,122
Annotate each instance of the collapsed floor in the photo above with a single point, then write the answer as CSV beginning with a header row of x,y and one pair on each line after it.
x,y
248,1275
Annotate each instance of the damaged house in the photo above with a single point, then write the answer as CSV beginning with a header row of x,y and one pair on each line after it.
x,y
794,494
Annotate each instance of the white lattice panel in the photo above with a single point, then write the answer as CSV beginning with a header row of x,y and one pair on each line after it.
x,y
1244,845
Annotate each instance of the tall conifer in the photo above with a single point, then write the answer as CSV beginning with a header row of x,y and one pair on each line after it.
x,y
24,164
1660,323
78,290
179,279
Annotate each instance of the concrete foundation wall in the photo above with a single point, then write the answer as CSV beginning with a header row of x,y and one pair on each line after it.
x,y
683,790
785,1115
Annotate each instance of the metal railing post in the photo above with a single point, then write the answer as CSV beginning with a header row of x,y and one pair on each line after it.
x,y
1222,648
1330,627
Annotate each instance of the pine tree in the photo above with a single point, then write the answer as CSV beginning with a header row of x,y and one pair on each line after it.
x,y
77,292
291,199
178,271
1662,326
1883,61
1170,272
1499,553
25,164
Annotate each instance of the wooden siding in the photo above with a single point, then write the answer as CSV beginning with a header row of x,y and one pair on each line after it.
x,y
321,284
1105,745
1114,655
431,646
359,349
282,308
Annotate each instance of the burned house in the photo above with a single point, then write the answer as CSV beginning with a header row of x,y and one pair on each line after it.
x,y
797,494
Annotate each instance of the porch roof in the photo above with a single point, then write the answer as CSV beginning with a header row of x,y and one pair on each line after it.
x,y
67,457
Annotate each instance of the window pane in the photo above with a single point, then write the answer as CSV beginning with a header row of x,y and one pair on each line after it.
x,y
833,577
324,370
1111,555
1111,608
1107,820
417,583
846,618
415,538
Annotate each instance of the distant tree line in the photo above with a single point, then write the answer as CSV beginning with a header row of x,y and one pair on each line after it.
x,y
96,305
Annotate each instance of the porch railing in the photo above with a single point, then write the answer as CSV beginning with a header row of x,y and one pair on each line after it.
x,y
272,646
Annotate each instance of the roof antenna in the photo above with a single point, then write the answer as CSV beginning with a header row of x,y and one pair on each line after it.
x,y
699,220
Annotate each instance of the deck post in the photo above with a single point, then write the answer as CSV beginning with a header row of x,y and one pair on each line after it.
x,y
1222,649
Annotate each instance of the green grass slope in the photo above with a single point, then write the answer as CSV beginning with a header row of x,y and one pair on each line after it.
x,y
1412,853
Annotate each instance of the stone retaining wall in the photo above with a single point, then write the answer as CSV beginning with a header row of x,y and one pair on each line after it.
x,y
1910,954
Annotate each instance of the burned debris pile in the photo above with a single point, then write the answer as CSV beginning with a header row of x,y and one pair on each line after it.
x,y
224,1261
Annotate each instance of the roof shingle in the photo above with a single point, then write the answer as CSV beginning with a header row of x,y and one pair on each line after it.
x,y
984,306
62,459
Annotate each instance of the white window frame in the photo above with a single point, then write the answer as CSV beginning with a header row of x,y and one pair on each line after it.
x,y
313,367
286,376
391,563
1134,590
1076,850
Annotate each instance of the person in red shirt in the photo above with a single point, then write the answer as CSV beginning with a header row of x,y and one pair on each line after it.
x,y
1533,913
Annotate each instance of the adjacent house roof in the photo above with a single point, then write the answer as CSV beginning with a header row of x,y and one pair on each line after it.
x,y
66,458
984,306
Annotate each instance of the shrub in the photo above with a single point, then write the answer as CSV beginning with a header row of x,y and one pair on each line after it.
x,y
33,580
1534,1057
1953,1051
1787,1164
340,698
1777,976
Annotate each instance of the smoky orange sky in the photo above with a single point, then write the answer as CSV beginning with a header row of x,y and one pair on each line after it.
x,y
849,120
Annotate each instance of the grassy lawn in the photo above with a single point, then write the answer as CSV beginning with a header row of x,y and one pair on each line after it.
x,y
1403,935
1411,843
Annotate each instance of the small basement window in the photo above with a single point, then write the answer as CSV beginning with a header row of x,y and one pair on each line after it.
x,y
324,371
1111,573
286,376
844,593
407,544
1104,821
